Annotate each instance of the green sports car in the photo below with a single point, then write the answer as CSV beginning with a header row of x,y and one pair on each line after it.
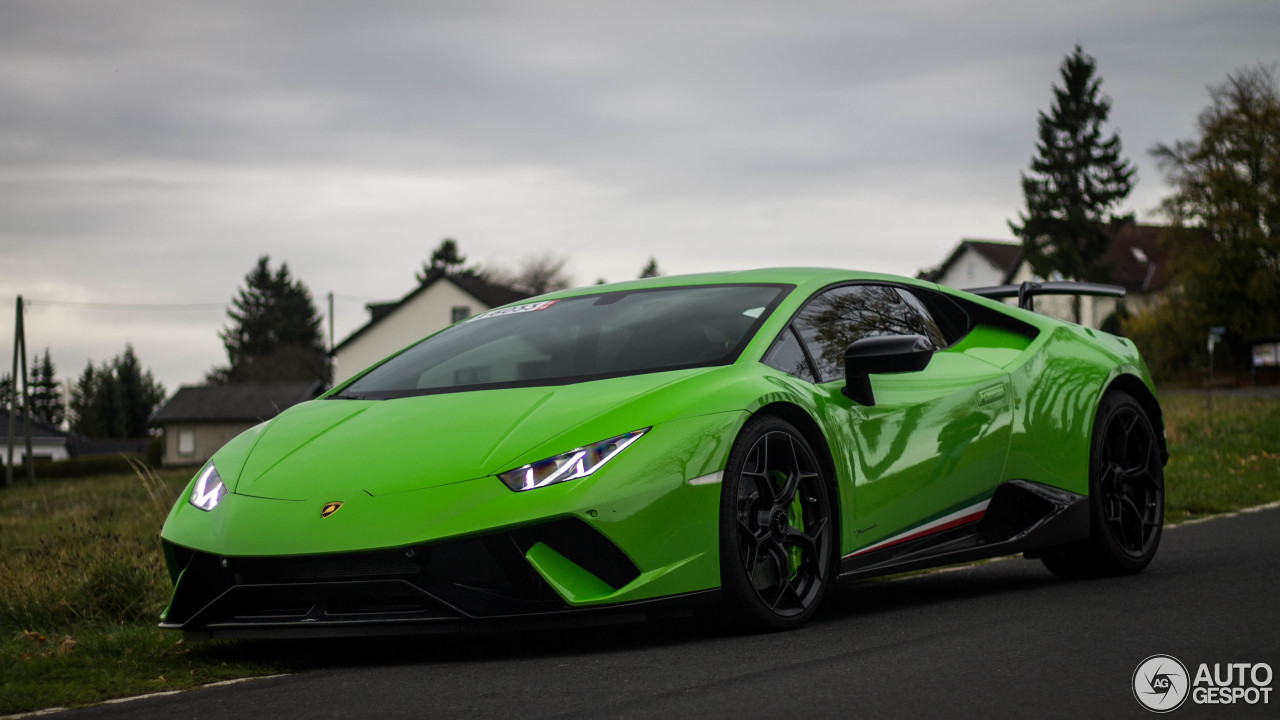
x,y
739,439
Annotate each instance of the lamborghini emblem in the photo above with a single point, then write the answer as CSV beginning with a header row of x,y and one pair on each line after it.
x,y
330,508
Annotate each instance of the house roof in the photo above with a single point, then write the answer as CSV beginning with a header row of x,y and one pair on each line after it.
x,y
1003,255
233,402
39,431
1137,260
482,290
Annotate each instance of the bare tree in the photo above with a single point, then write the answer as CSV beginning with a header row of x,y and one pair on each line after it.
x,y
536,274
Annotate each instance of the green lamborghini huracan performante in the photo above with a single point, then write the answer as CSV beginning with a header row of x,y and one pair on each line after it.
x,y
741,440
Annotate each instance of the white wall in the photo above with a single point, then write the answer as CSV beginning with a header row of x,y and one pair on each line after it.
x,y
971,270
1093,310
425,314
39,450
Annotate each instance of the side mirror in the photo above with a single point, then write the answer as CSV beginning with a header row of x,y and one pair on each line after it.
x,y
880,356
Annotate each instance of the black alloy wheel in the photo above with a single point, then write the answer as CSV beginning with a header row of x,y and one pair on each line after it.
x,y
777,532
1126,495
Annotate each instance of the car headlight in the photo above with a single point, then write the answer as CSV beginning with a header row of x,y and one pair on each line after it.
x,y
577,463
208,489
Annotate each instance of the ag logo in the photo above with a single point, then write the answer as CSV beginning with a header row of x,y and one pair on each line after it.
x,y
1160,683
330,508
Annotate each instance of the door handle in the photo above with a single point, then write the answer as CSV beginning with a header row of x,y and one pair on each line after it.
x,y
993,394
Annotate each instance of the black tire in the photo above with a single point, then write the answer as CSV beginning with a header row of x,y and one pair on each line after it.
x,y
777,527
1126,495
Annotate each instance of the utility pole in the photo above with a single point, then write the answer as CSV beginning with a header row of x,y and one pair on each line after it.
x,y
20,355
330,322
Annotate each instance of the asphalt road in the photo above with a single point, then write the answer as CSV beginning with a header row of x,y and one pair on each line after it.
x,y
1005,639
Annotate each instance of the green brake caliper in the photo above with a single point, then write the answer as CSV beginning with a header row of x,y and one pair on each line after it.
x,y
795,517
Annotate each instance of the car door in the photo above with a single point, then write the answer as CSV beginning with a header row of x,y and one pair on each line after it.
x,y
932,446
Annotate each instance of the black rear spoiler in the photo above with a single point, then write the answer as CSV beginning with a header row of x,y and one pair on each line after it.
x,y
1027,291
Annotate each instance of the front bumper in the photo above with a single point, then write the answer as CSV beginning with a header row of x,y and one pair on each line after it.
x,y
484,580
467,554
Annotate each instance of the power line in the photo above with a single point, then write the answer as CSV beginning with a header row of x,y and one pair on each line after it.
x,y
154,307
166,307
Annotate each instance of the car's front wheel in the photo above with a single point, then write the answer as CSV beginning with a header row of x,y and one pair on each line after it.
x,y
777,534
1126,495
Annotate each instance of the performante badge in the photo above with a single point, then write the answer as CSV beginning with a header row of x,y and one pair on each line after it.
x,y
330,508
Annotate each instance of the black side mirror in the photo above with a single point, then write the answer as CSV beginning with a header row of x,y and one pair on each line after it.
x,y
880,356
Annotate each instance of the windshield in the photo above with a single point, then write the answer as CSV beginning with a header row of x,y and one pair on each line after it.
x,y
555,342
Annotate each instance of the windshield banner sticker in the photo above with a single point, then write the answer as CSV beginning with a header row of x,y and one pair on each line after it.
x,y
532,307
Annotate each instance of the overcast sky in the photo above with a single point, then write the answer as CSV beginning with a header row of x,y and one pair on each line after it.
x,y
151,151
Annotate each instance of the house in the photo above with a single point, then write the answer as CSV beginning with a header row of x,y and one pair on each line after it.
x,y
439,301
1135,260
198,420
976,263
47,443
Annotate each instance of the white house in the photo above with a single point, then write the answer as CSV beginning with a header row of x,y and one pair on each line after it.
x,y
976,263
1135,260
46,443
439,301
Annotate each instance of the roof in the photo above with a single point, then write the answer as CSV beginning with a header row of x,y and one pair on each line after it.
x,y
477,287
86,448
1137,260
1135,256
39,431
1003,255
252,402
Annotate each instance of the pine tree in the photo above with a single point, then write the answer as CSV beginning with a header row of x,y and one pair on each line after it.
x,y
6,392
275,333
651,269
445,259
82,407
139,392
46,397
115,399
1077,178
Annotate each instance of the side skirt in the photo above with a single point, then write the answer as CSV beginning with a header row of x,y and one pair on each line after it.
x,y
1022,517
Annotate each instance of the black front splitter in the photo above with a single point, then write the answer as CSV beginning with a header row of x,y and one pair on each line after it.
x,y
682,605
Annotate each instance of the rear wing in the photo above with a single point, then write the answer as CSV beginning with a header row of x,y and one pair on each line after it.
x,y
1027,291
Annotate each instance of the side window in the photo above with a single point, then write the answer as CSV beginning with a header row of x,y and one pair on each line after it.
x,y
951,318
835,319
927,323
787,356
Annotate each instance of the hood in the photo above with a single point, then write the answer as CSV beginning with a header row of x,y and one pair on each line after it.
x,y
318,448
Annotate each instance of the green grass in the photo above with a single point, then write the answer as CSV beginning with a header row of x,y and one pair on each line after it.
x,y
1228,463
82,584
82,581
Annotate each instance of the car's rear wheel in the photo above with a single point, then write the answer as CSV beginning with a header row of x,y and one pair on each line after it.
x,y
777,534
1126,495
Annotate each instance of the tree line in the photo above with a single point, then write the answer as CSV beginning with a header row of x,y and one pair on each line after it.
x,y
111,400
1224,209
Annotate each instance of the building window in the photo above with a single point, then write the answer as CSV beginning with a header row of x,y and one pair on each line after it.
x,y
186,442
460,313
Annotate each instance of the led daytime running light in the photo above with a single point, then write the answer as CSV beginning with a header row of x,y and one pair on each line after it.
x,y
208,490
577,463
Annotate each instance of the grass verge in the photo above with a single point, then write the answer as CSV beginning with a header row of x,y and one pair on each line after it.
x,y
1222,459
82,581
